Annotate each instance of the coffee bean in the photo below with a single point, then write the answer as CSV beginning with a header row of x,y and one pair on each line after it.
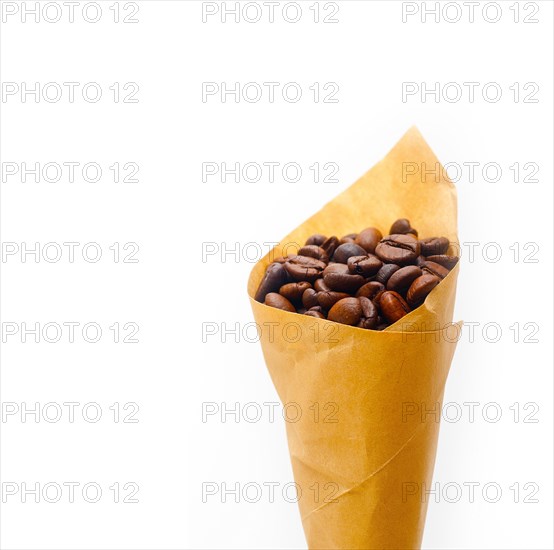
x,y
385,272
370,315
398,249
435,269
330,245
434,246
304,268
280,302
317,239
401,280
420,288
446,261
347,311
368,239
293,291
274,278
315,314
317,308
402,227
320,286
329,298
420,260
370,290
364,265
314,251
346,250
393,306
309,298
338,277
350,238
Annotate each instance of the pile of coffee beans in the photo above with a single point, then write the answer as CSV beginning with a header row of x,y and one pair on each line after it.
x,y
364,279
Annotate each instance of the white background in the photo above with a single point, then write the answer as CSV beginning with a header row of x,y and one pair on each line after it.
x,y
172,291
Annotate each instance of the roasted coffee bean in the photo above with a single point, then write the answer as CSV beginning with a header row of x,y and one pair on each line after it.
x,y
347,311
317,308
368,239
420,260
338,277
420,288
309,298
398,249
314,251
402,227
329,298
370,290
304,268
401,280
393,306
443,259
293,291
274,278
435,269
335,267
364,265
330,245
318,240
320,285
280,302
385,273
350,238
315,314
370,315
346,250
434,246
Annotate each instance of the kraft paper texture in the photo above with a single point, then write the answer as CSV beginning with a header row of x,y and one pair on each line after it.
x,y
363,407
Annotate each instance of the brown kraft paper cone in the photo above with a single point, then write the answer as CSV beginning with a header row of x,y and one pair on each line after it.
x,y
363,407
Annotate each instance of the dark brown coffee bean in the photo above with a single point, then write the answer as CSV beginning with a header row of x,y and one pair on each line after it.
x,y
393,306
370,290
347,311
274,278
401,280
385,273
370,315
398,249
309,298
304,268
434,246
317,308
435,269
280,302
446,261
314,251
364,265
420,260
329,298
350,238
346,250
318,240
343,282
368,239
402,227
320,285
335,267
330,245
420,288
316,314
293,291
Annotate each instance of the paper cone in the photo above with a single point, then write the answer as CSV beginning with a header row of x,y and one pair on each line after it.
x,y
363,407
